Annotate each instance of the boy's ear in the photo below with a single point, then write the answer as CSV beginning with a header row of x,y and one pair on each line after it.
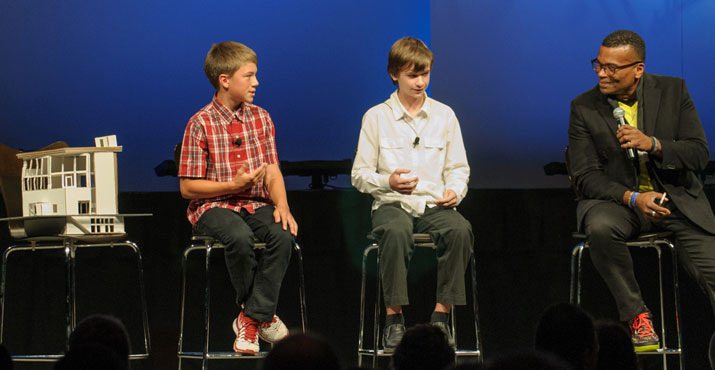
x,y
223,81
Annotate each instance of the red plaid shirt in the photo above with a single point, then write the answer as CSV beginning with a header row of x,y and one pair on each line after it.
x,y
208,151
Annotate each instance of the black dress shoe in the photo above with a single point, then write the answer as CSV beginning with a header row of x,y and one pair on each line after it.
x,y
392,337
445,329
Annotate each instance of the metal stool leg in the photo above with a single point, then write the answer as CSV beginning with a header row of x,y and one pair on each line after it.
x,y
3,277
183,302
301,287
144,306
207,307
663,337
376,323
575,290
71,294
363,303
676,300
475,309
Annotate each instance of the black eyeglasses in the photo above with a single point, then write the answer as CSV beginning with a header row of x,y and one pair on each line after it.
x,y
610,68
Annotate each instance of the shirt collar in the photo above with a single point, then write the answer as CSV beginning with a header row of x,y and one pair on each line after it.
x,y
399,111
225,114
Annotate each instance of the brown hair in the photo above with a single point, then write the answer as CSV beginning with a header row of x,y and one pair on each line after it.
x,y
408,52
226,58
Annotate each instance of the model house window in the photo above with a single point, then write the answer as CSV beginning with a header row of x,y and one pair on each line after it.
x,y
83,207
42,208
101,225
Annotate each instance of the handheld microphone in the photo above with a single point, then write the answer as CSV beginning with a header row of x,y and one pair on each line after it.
x,y
237,141
416,142
619,114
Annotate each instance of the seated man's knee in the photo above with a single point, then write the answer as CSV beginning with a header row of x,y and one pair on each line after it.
x,y
281,239
394,230
462,230
599,226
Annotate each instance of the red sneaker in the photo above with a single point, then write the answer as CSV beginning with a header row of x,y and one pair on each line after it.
x,y
246,330
643,334
273,331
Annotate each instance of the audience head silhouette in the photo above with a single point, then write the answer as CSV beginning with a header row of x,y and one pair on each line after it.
x,y
530,360
98,342
568,332
5,359
615,349
423,347
301,352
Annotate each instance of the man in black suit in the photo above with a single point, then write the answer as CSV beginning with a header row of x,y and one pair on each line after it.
x,y
619,196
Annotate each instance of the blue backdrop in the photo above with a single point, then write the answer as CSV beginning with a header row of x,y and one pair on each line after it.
x,y
74,70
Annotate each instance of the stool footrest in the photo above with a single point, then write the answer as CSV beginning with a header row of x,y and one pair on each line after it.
x,y
222,355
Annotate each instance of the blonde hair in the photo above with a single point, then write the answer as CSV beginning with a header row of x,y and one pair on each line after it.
x,y
408,52
226,58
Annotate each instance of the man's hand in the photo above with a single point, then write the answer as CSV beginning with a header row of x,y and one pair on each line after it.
x,y
400,185
282,214
648,204
449,200
631,137
244,180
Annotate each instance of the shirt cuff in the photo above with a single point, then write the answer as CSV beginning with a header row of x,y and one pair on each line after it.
x,y
383,181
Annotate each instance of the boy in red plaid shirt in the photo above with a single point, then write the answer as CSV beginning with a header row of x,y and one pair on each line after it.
x,y
229,170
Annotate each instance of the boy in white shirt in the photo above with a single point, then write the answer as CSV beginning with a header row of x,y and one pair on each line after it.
x,y
411,159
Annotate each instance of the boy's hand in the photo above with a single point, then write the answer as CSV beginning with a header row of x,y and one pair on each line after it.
x,y
282,214
244,180
402,185
449,200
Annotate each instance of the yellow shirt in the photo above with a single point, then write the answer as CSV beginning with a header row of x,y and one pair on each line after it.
x,y
644,182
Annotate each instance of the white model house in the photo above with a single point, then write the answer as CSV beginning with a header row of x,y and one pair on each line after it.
x,y
80,183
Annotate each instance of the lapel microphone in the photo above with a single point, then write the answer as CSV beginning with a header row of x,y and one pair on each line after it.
x,y
237,141
416,142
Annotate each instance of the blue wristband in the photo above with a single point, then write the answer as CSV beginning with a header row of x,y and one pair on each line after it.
x,y
633,199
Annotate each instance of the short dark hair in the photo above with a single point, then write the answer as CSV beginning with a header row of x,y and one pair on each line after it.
x,y
615,349
302,352
423,347
102,330
531,360
567,331
626,38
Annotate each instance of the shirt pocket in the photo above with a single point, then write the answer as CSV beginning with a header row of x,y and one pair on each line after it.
x,y
434,152
392,153
436,143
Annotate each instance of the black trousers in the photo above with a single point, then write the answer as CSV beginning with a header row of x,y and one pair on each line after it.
x,y
609,225
452,235
255,275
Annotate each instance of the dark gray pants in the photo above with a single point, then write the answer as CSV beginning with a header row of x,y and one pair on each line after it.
x,y
256,275
452,235
610,225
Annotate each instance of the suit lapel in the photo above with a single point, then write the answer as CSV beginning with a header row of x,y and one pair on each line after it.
x,y
606,112
650,104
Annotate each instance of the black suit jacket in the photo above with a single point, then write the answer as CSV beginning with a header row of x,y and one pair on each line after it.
x,y
600,169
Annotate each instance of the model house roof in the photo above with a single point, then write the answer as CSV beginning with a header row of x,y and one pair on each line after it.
x,y
69,151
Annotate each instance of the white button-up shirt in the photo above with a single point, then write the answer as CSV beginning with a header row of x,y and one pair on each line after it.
x,y
387,142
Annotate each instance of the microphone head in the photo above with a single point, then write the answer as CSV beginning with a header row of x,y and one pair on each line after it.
x,y
618,113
